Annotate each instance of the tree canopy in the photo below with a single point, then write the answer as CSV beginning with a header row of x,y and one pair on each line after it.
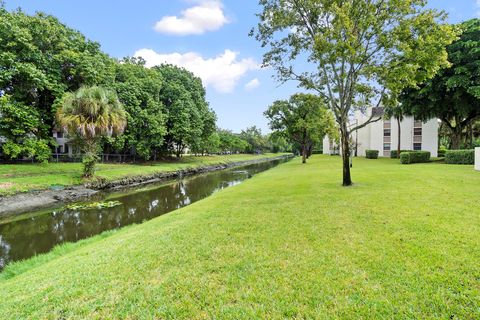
x,y
453,95
41,59
304,119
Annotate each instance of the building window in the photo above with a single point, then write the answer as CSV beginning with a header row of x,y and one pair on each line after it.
x,y
417,146
417,131
60,135
386,146
387,132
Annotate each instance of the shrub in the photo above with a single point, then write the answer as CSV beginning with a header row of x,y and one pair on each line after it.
x,y
393,153
414,157
371,154
460,156
441,152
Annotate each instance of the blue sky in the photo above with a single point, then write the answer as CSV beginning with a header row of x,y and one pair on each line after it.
x,y
216,48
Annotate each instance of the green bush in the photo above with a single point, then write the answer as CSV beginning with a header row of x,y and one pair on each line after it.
x,y
371,154
393,153
460,156
414,157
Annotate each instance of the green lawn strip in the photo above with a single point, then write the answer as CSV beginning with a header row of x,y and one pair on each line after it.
x,y
27,177
289,243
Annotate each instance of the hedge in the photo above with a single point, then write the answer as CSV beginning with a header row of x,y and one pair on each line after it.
x,y
460,156
393,153
414,157
371,154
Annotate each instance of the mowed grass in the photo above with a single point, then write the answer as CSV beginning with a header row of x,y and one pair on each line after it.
x,y
26,177
403,243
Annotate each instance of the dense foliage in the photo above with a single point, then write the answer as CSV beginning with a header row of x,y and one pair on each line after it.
x,y
353,53
460,157
304,119
41,59
414,157
453,95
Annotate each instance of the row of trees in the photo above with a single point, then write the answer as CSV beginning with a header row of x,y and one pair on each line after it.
x,y
41,60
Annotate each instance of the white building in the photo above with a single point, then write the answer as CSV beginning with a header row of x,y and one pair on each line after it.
x,y
383,136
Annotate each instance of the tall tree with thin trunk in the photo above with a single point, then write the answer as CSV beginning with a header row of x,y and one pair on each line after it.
x,y
88,115
354,53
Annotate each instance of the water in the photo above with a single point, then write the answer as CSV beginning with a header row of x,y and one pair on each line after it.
x,y
39,232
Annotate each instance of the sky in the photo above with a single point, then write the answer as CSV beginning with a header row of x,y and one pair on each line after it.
x,y
208,37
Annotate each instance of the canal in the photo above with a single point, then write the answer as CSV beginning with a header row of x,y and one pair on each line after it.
x,y
31,234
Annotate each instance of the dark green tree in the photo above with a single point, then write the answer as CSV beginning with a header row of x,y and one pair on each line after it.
x,y
138,89
453,95
19,126
189,117
41,58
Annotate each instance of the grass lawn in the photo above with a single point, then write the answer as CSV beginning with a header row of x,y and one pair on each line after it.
x,y
25,177
403,243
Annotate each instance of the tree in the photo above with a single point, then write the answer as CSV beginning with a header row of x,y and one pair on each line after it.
x,y
453,95
18,127
231,142
41,58
88,115
278,142
256,142
304,119
188,114
353,53
138,89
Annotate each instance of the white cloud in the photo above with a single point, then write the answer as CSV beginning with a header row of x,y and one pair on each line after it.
x,y
478,8
221,72
208,15
252,84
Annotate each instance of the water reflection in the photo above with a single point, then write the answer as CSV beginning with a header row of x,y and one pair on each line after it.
x,y
40,233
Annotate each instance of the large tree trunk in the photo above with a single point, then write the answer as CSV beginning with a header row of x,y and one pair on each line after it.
x,y
345,139
456,137
399,137
304,153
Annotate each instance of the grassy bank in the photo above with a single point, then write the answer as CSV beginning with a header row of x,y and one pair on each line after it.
x,y
26,177
289,243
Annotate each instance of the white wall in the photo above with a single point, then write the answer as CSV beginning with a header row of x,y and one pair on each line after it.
x,y
326,145
430,137
477,159
371,136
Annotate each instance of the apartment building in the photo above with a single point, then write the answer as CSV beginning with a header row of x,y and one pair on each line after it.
x,y
383,136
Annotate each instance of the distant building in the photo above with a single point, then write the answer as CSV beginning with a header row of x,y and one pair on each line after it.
x,y
383,136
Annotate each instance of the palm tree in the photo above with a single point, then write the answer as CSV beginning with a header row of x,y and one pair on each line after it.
x,y
88,115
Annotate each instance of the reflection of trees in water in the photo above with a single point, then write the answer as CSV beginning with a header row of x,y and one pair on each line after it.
x,y
4,251
25,238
